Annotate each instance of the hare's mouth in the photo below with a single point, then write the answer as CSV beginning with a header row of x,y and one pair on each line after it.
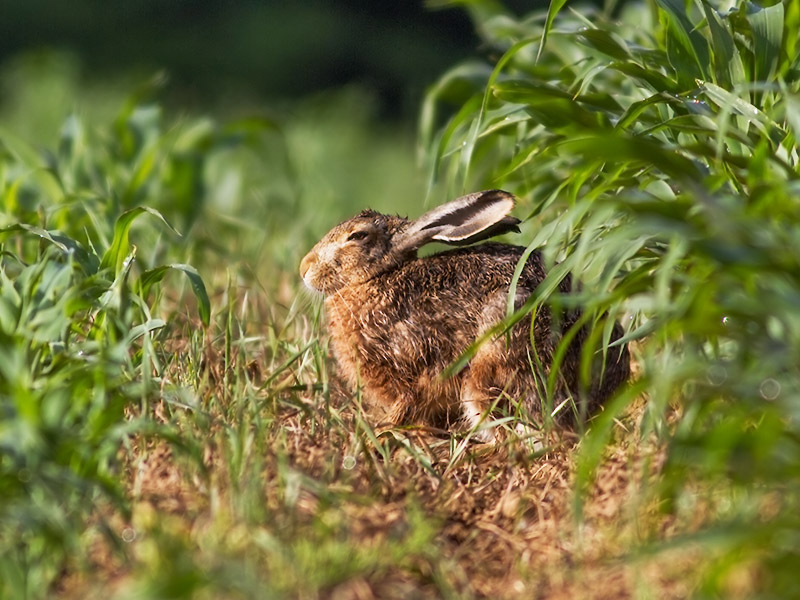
x,y
315,291
309,281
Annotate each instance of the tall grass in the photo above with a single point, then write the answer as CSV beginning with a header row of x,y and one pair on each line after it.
x,y
656,154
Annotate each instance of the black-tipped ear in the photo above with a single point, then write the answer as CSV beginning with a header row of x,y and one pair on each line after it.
x,y
462,221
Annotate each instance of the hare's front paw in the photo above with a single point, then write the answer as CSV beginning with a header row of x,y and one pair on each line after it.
x,y
475,408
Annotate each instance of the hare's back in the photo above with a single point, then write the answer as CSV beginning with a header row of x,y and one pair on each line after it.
x,y
467,274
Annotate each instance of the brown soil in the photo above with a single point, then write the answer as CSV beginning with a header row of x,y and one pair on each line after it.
x,y
506,522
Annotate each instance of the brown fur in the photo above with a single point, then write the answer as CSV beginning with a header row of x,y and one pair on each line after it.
x,y
396,321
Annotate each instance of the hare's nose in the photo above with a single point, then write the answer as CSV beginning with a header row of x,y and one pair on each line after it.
x,y
305,264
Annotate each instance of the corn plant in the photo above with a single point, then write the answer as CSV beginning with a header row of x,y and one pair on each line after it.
x,y
78,337
655,151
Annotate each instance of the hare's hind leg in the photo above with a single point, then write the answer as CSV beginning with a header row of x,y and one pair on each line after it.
x,y
483,384
478,401
493,381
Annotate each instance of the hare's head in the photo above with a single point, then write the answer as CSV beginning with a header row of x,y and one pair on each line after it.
x,y
370,243
352,252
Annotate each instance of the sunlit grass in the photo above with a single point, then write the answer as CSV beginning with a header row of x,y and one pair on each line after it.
x,y
171,425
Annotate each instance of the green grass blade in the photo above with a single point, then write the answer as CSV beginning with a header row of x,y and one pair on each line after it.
x,y
553,9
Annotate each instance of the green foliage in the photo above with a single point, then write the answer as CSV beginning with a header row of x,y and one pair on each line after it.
x,y
656,155
89,264
77,339
66,372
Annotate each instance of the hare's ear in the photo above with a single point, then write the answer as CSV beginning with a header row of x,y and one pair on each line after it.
x,y
461,221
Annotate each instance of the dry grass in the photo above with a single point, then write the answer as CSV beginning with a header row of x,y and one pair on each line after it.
x,y
496,522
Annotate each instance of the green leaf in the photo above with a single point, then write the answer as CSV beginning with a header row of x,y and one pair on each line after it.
x,y
549,106
617,149
475,129
687,48
140,330
88,262
732,104
141,174
153,276
37,231
467,112
116,253
767,25
633,114
463,84
129,136
552,12
606,42
792,113
728,66
651,78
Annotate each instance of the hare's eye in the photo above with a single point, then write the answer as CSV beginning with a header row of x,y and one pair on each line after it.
x,y
357,235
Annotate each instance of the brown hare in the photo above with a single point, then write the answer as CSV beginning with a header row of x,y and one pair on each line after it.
x,y
397,321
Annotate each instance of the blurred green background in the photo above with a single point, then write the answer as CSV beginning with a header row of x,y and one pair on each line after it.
x,y
228,52
336,87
